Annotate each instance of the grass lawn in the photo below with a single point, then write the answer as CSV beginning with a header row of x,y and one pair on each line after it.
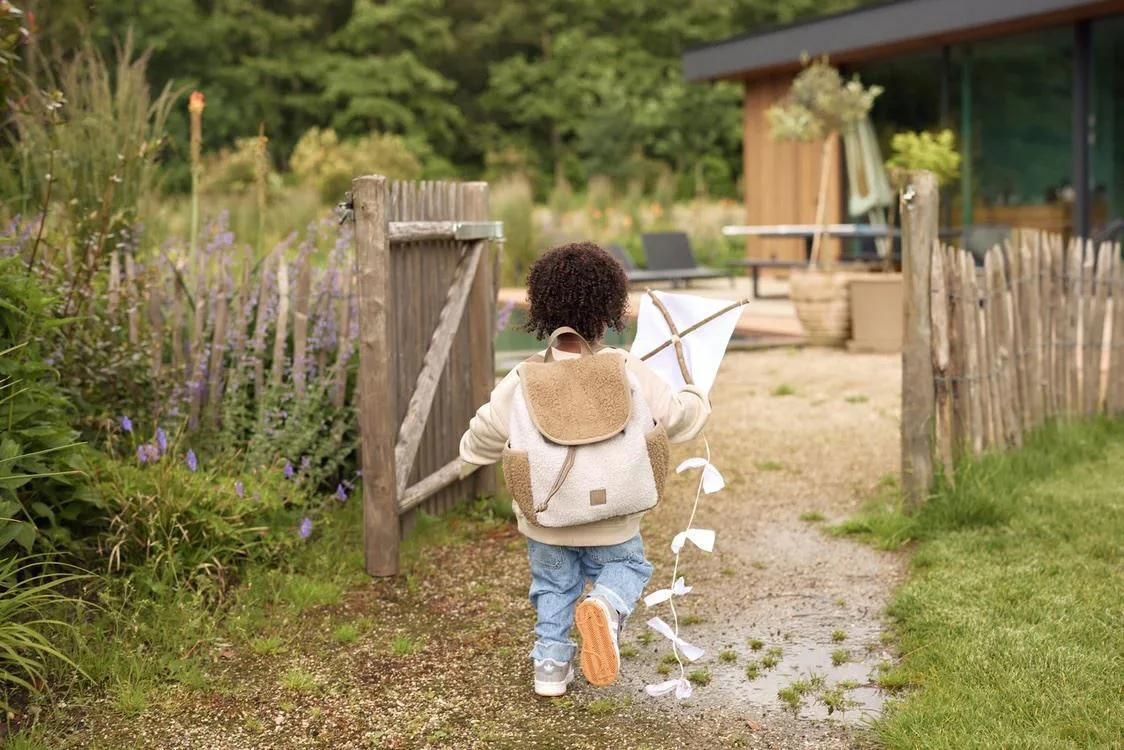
x,y
1011,625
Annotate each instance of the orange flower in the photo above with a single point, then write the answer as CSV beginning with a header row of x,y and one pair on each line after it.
x,y
196,103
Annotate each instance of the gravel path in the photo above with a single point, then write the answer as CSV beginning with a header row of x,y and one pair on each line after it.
x,y
794,433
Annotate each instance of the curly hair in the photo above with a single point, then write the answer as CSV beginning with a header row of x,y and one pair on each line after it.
x,y
578,285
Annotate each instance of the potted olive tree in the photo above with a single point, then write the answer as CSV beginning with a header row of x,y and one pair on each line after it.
x,y
819,107
876,298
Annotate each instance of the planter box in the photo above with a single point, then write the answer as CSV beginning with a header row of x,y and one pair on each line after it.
x,y
821,302
877,317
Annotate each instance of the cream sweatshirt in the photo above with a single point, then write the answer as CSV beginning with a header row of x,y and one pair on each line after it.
x,y
683,415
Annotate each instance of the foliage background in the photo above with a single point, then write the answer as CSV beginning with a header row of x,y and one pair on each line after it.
x,y
557,88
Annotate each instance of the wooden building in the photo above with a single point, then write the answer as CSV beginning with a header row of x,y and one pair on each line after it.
x,y
1033,89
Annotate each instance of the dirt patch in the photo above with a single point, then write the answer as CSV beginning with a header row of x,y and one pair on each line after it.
x,y
439,658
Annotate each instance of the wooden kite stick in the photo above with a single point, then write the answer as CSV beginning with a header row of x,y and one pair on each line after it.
x,y
675,337
694,327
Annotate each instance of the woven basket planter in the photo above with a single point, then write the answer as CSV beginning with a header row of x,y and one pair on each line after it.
x,y
823,305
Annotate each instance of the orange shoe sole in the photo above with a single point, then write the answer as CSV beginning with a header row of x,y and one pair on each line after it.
x,y
600,663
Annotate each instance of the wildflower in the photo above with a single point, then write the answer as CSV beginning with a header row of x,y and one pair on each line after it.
x,y
192,461
126,424
239,489
142,454
341,493
306,527
288,469
196,102
162,439
504,316
151,452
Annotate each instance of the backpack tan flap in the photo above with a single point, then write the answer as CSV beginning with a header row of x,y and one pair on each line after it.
x,y
578,401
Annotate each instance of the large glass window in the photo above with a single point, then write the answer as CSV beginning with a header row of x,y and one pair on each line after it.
x,y
1107,167
1017,95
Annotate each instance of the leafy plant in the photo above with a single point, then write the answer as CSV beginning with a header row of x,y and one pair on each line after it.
x,y
28,595
45,500
935,152
819,106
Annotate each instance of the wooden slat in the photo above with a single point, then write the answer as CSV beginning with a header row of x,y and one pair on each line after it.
x,y
420,231
178,359
114,280
131,298
439,480
376,378
1116,356
1059,314
1096,348
198,327
1016,303
300,323
281,332
421,402
1004,341
218,350
261,325
919,209
343,353
1089,333
1040,263
960,409
1070,339
939,313
155,329
1028,324
993,340
974,362
481,337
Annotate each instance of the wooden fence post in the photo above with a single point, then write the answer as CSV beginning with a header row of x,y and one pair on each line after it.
x,y
919,211
481,324
378,409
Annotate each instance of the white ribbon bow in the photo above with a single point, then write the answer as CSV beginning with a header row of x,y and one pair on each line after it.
x,y
691,652
702,538
681,687
712,480
678,589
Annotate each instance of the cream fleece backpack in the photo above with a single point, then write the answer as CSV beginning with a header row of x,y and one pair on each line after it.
x,y
583,445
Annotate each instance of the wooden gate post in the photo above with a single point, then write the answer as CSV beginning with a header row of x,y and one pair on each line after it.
x,y
481,323
378,409
919,211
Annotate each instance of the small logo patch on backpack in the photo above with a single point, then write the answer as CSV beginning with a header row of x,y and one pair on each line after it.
x,y
598,497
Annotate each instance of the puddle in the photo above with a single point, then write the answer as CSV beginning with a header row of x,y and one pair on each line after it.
x,y
804,662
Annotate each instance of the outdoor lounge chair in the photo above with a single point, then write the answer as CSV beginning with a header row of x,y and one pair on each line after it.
x,y
635,275
669,256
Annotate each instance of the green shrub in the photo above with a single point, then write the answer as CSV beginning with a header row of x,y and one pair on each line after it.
x,y
321,158
513,203
177,523
45,501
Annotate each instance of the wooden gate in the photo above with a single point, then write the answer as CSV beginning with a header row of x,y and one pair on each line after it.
x,y
427,272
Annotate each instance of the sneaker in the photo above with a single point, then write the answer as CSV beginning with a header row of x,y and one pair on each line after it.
x,y
599,625
552,677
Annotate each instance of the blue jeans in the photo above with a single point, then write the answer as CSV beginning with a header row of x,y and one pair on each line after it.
x,y
558,575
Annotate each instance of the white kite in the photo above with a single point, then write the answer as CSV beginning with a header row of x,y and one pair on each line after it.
x,y
683,339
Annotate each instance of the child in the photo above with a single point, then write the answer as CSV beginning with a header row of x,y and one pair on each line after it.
x,y
582,290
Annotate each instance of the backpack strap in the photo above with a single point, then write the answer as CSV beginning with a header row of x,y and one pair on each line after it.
x,y
587,350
